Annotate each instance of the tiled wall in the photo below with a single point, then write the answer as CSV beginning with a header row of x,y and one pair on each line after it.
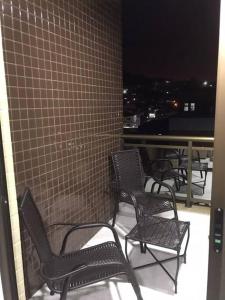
x,y
63,71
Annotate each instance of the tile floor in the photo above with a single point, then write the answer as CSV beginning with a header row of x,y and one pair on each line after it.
x,y
198,191
154,283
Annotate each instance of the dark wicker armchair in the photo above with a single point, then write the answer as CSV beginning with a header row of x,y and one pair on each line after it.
x,y
150,230
196,165
65,272
130,186
162,169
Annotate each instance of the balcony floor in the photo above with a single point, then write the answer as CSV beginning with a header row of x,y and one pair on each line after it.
x,y
197,190
154,283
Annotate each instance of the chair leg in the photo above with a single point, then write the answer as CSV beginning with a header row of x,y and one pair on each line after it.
x,y
183,176
131,276
185,250
159,188
65,289
126,250
136,289
175,215
116,209
204,184
133,281
177,271
177,185
143,247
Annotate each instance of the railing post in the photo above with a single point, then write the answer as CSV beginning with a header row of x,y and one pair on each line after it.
x,y
189,179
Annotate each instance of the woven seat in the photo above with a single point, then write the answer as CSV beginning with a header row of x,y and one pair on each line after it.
x,y
155,206
160,232
104,261
163,233
130,186
65,272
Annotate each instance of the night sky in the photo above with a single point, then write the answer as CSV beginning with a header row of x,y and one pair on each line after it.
x,y
174,39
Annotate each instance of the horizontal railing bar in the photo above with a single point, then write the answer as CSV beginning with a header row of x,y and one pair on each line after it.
x,y
201,139
203,148
193,199
168,138
167,146
199,200
155,146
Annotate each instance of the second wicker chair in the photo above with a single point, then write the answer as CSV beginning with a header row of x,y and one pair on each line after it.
x,y
130,186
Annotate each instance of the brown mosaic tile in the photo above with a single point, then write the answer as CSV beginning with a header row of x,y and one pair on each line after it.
x,y
63,71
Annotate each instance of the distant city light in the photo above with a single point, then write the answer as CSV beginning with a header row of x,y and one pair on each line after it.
x,y
175,104
146,104
151,115
192,108
186,106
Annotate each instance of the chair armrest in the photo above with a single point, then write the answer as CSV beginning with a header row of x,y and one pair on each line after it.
x,y
85,226
171,190
133,194
78,269
161,183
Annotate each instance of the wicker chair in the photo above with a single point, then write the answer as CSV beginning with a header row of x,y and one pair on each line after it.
x,y
162,169
196,165
182,158
65,272
130,186
150,230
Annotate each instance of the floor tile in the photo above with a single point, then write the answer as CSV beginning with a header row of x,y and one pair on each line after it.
x,y
154,282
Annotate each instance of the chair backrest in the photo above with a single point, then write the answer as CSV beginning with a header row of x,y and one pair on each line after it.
x,y
34,224
160,167
146,162
128,170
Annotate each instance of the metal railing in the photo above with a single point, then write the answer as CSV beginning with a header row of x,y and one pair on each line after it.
x,y
189,143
